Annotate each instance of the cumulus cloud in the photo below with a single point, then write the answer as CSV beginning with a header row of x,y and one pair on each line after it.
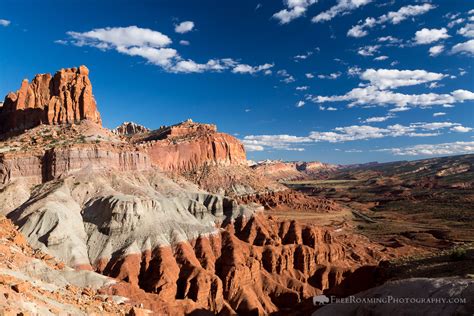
x,y
394,78
368,50
392,17
342,7
351,133
309,75
184,27
153,47
302,88
436,50
467,31
461,129
4,22
247,69
465,48
354,71
428,36
277,142
286,77
294,9
436,114
455,22
184,43
434,149
372,96
300,104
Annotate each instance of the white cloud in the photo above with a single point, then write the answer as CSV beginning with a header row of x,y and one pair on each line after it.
x,y
394,78
455,22
377,119
294,9
309,75
368,50
184,43
433,85
287,78
112,37
439,114
388,39
300,104
4,22
393,17
153,46
184,27
247,69
434,149
302,88
428,36
467,31
331,76
342,7
249,147
354,71
373,96
278,142
436,50
348,133
380,58
466,47
303,56
461,129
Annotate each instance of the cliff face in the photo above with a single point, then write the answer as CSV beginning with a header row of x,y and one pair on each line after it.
x,y
63,98
188,146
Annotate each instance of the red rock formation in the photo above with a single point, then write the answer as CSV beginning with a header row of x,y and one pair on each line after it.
x,y
188,146
63,98
258,265
129,129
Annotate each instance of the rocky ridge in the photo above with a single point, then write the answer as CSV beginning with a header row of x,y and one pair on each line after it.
x,y
284,171
129,129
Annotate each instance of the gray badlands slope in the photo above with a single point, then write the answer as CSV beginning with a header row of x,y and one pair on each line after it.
x,y
88,217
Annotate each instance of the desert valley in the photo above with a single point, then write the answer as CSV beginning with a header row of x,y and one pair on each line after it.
x,y
176,221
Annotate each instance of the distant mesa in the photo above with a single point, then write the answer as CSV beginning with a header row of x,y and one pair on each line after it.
x,y
64,98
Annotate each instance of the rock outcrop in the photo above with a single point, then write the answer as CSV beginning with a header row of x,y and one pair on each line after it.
x,y
63,98
188,146
129,129
46,152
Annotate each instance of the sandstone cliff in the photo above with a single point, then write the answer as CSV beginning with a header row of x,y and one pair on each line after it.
x,y
63,98
188,146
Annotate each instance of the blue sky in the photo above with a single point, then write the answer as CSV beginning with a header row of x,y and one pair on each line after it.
x,y
340,81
